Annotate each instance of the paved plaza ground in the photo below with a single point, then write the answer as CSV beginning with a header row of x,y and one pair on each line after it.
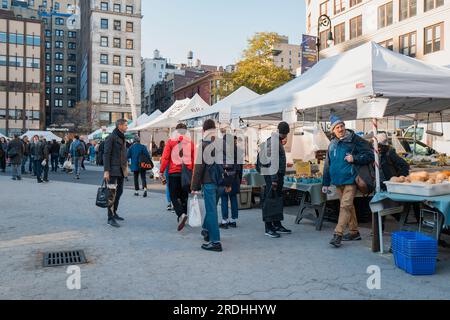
x,y
147,259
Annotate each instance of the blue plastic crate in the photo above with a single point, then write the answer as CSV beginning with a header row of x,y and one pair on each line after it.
x,y
417,266
414,244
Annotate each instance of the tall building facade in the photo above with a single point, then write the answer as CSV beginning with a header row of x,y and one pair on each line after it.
x,y
417,28
21,75
61,42
110,52
286,55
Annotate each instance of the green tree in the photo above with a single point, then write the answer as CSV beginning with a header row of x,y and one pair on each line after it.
x,y
256,70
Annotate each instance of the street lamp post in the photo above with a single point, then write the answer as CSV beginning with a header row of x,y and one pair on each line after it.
x,y
323,21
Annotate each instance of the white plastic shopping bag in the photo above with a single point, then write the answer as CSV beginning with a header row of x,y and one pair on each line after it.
x,y
196,207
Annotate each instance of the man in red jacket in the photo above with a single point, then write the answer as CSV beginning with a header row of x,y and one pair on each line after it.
x,y
179,150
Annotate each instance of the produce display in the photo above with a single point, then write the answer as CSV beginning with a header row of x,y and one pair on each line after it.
x,y
307,179
423,177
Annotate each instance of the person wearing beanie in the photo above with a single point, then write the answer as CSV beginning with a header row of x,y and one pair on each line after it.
x,y
274,179
345,151
135,153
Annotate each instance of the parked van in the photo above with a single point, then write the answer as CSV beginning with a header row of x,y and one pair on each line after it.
x,y
439,143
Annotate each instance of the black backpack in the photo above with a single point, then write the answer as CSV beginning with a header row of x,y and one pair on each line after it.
x,y
145,162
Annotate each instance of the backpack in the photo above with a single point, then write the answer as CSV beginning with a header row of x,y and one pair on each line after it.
x,y
216,171
79,152
186,173
366,178
145,162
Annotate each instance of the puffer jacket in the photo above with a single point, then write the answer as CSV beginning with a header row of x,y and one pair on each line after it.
x,y
115,154
173,148
337,170
134,153
16,146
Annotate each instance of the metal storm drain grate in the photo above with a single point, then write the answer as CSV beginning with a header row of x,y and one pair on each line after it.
x,y
64,258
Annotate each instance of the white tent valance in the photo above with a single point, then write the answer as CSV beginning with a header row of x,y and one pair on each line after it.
x,y
48,135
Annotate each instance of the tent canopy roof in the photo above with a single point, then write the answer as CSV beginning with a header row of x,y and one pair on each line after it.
x,y
48,135
334,84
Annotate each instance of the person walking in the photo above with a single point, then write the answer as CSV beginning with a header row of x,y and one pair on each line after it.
x,y
3,155
83,158
15,152
233,171
135,153
92,153
178,150
37,151
46,162
54,155
26,155
100,151
115,168
77,152
63,153
206,176
345,151
274,179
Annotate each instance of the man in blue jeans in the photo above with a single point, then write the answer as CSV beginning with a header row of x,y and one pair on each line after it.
x,y
204,178
77,151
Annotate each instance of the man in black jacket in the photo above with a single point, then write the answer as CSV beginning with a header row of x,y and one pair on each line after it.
x,y
39,152
15,153
115,168
54,154
26,155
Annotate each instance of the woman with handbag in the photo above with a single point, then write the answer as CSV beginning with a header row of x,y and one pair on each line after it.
x,y
3,147
140,163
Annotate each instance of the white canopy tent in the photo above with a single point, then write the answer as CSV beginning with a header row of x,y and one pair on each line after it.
x,y
174,114
145,118
221,111
333,86
48,135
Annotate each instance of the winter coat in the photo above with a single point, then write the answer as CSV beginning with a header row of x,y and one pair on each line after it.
x,y
39,150
26,150
54,148
174,147
63,151
282,162
16,146
134,153
392,165
115,154
235,164
73,149
202,174
337,170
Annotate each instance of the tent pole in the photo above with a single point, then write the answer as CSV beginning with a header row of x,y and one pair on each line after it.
x,y
376,218
415,137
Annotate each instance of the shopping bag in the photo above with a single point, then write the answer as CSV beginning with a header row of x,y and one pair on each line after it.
x,y
272,208
67,165
195,211
102,196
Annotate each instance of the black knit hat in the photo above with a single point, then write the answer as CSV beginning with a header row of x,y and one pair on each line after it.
x,y
283,128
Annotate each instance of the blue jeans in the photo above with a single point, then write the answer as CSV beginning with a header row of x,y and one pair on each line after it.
x,y
15,171
24,162
38,169
77,164
234,205
166,174
211,223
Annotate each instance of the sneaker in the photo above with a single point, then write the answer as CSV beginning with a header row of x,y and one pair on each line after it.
x,y
223,225
336,241
19,178
205,235
232,224
117,217
169,207
282,230
14,178
145,194
351,237
136,194
182,222
113,223
40,181
46,180
272,234
217,247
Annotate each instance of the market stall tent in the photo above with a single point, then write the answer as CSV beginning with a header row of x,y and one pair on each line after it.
x,y
221,111
48,135
145,118
334,84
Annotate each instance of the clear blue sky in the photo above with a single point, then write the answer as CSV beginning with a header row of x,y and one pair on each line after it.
x,y
215,30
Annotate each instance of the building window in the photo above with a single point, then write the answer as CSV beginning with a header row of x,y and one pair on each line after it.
x,y
59,67
354,2
116,43
385,15
388,44
104,23
130,44
117,25
355,27
58,103
48,68
59,56
408,44
324,7
72,45
116,98
116,61
59,21
103,41
323,40
71,91
433,38
116,78
59,45
339,6
71,103
3,61
104,6
129,62
103,96
339,33
130,27
104,77
116,7
48,33
71,69
16,38
58,90
129,75
408,9
431,4
72,34
59,79
71,80
72,57
103,59
59,33
48,56
130,9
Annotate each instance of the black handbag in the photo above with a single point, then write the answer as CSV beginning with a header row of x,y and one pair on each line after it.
x,y
272,208
145,162
102,200
186,173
